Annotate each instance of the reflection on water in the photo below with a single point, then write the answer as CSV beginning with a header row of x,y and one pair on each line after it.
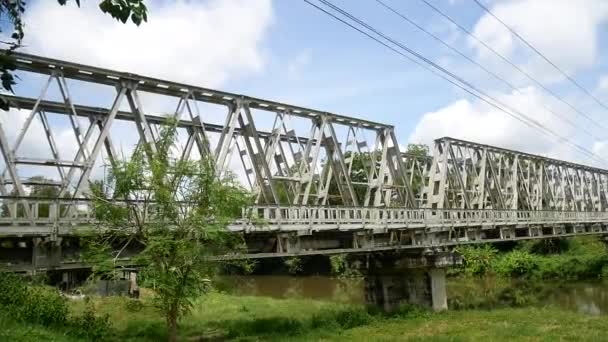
x,y
584,297
588,298
312,287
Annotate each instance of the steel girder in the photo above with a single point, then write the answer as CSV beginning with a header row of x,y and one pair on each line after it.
x,y
281,166
467,175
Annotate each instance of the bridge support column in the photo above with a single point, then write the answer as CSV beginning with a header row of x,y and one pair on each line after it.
x,y
400,280
45,253
439,296
68,280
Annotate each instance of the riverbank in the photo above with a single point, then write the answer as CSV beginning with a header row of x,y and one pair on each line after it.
x,y
246,318
544,290
551,259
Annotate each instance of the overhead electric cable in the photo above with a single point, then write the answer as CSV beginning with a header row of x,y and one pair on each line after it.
x,y
519,114
456,80
511,63
560,70
493,74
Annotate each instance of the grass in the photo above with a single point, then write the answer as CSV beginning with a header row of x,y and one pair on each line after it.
x,y
523,324
219,316
19,332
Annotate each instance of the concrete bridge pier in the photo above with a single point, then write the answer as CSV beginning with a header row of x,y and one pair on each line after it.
x,y
46,253
393,281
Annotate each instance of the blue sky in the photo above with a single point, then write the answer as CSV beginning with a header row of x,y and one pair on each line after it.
x,y
348,73
286,50
338,69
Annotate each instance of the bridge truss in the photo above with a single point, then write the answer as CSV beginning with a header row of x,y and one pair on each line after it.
x,y
320,184
306,165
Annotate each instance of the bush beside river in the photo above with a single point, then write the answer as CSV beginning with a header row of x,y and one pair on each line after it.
x,y
551,259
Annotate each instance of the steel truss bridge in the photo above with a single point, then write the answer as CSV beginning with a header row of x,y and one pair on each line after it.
x,y
325,183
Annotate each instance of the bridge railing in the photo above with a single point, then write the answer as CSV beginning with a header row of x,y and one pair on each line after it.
x,y
24,211
64,211
44,211
51,213
277,215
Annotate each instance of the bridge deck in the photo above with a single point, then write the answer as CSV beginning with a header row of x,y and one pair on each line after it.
x,y
272,231
315,219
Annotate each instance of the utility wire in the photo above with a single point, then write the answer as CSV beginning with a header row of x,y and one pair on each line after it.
x,y
561,71
493,74
519,115
512,64
457,81
501,106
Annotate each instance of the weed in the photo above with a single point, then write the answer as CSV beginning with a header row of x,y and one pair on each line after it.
x,y
91,326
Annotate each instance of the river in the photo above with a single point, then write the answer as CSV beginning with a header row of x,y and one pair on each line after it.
x,y
584,297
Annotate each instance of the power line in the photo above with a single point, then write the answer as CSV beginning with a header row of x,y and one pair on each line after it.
x,y
456,80
493,74
512,64
578,85
518,114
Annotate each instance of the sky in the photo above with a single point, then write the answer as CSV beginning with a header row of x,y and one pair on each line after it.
x,y
285,50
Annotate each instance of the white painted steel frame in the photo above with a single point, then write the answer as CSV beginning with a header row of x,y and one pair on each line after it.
x,y
308,167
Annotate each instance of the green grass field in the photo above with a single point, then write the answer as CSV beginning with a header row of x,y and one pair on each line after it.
x,y
227,317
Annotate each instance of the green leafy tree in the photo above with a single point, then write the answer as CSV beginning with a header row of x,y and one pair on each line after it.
x,y
40,188
178,211
13,11
417,151
360,167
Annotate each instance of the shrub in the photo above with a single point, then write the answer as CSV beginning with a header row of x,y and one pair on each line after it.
x,y
12,291
91,326
33,304
575,258
517,263
293,264
546,246
477,260
45,306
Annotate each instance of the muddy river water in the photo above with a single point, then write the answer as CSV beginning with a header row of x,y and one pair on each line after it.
x,y
584,297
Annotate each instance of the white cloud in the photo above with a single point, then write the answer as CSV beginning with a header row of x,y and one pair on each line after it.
x,y
565,31
476,121
600,147
204,43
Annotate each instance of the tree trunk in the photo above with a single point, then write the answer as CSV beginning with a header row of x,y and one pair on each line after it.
x,y
172,328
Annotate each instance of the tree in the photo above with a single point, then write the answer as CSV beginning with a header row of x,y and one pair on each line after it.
x,y
418,151
361,163
178,211
13,10
40,188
